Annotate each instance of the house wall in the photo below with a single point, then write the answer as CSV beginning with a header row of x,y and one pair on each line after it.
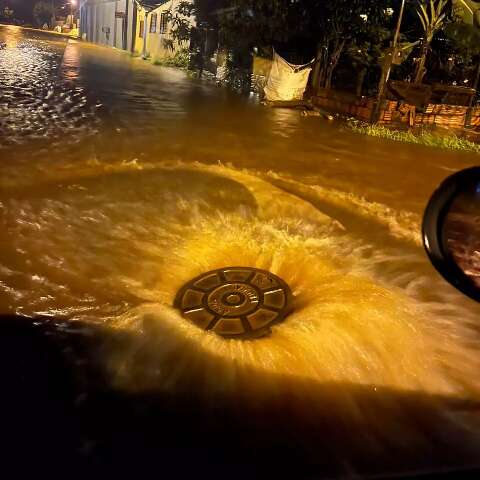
x,y
260,71
138,41
107,22
156,47
468,11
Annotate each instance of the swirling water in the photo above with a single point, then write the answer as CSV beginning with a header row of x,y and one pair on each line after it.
x,y
121,181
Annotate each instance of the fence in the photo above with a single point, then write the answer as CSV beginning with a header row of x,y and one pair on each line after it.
x,y
398,113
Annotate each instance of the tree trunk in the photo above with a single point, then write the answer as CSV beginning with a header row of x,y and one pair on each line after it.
x,y
317,69
332,64
382,85
328,77
360,79
323,73
421,70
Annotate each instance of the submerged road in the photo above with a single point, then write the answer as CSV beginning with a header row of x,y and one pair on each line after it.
x,y
121,181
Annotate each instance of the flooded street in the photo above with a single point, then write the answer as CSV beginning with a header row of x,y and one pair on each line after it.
x,y
121,181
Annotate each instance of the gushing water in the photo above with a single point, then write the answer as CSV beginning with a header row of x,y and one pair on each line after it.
x,y
377,366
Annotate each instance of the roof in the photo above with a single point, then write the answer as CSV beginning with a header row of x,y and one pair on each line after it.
x,y
151,4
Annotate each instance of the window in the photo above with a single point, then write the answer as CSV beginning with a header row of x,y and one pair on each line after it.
x,y
163,22
140,30
153,23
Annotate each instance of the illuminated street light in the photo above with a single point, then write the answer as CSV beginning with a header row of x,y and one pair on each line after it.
x,y
73,4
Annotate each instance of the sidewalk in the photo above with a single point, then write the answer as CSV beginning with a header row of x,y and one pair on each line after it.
x,y
74,34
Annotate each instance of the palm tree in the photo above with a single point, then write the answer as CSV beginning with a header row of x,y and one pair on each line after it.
x,y
432,20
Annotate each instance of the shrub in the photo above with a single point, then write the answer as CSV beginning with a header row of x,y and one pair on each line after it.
x,y
179,59
423,137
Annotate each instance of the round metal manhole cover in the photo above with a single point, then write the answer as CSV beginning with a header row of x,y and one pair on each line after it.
x,y
236,302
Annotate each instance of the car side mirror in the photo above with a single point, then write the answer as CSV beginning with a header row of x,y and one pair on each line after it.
x,y
451,231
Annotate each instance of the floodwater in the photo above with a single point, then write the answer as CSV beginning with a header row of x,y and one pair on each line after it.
x,y
121,181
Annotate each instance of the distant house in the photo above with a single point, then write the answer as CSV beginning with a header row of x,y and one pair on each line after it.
x,y
155,21
108,22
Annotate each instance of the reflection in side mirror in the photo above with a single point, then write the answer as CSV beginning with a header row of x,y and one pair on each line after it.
x,y
451,231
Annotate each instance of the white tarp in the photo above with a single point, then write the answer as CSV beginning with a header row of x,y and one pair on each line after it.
x,y
286,81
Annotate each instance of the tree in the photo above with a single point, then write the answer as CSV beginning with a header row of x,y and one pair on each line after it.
x,y
43,13
465,39
432,20
7,13
259,23
321,28
346,25
181,19
364,52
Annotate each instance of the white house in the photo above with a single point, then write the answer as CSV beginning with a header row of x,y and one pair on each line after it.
x,y
108,22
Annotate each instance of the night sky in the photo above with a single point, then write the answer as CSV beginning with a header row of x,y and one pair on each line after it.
x,y
23,8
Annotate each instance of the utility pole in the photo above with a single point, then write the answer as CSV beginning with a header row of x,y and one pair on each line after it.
x,y
53,13
73,4
387,66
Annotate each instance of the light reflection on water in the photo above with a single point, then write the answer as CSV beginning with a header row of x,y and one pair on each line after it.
x,y
134,179
38,99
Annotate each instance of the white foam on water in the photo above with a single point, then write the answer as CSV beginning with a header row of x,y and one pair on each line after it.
x,y
116,247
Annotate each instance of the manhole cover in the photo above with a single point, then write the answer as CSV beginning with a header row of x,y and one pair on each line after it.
x,y
237,302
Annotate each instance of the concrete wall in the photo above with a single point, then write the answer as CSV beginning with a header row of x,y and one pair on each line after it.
x,y
107,22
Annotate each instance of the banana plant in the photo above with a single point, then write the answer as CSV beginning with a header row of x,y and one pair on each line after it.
x,y
432,16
